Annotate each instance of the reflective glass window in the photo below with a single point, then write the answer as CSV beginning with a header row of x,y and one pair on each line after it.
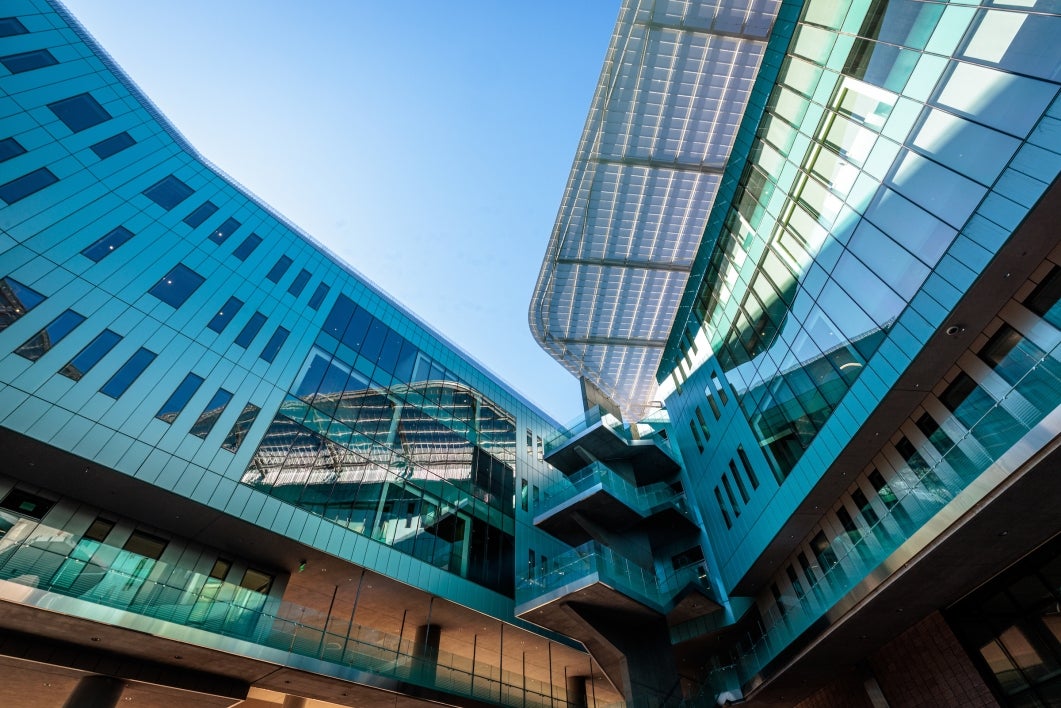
x,y
10,26
272,347
339,316
250,330
247,247
318,296
696,436
90,355
26,503
177,286
299,283
179,398
278,270
9,147
38,345
201,213
168,192
1045,300
27,184
240,428
739,481
28,61
107,244
748,469
729,495
225,314
16,300
124,377
205,423
113,145
79,112
722,509
224,231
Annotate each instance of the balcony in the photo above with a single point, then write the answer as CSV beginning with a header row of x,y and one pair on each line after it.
x,y
606,499
40,568
600,436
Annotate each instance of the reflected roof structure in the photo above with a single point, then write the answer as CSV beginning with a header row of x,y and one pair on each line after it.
x,y
670,98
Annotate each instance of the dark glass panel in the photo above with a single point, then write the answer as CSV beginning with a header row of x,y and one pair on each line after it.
x,y
202,212
168,192
272,347
299,283
224,231
16,300
124,377
177,286
90,355
205,423
240,428
27,184
250,330
113,145
278,270
318,296
247,247
27,504
10,26
107,244
79,112
9,147
39,344
28,61
225,314
179,399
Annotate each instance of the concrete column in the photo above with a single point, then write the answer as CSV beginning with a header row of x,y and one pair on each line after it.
x,y
576,692
425,649
95,692
294,702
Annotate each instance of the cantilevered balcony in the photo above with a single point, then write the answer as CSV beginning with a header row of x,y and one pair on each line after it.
x,y
599,436
604,499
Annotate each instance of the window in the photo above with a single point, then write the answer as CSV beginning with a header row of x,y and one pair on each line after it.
x,y
203,212
98,530
27,184
28,61
113,145
883,490
16,300
747,465
299,283
541,448
128,373
804,565
179,399
530,443
524,494
729,495
740,482
225,230
318,296
90,355
177,286
143,544
722,508
107,244
719,388
257,581
272,347
696,436
250,330
38,345
27,504
225,314
9,147
10,26
246,248
703,425
240,428
205,423
168,192
1044,299
79,112
278,270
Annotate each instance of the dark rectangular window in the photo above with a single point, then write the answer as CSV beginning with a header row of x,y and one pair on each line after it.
x,y
16,300
247,247
883,490
250,330
524,494
793,579
747,465
128,373
225,230
113,145
719,388
318,296
28,61
240,428
179,399
202,212
99,530
739,481
10,26
168,192
38,345
9,147
1044,299
958,390
177,286
808,572
27,184
211,413
79,112
864,507
272,347
225,314
299,283
143,544
696,436
108,244
722,508
729,495
90,355
703,424
278,270
27,504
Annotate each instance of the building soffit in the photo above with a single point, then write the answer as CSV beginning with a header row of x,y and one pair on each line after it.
x,y
667,106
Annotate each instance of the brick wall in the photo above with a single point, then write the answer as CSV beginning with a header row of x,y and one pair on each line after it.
x,y
847,691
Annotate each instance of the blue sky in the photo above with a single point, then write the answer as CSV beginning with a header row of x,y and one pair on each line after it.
x,y
426,143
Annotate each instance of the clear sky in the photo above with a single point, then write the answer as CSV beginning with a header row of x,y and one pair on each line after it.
x,y
427,143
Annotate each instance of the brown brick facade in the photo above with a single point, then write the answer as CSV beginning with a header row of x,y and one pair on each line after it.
x,y
847,691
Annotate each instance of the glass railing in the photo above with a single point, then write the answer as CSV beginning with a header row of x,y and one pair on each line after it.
x,y
47,559
582,563
919,494
646,500
583,423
